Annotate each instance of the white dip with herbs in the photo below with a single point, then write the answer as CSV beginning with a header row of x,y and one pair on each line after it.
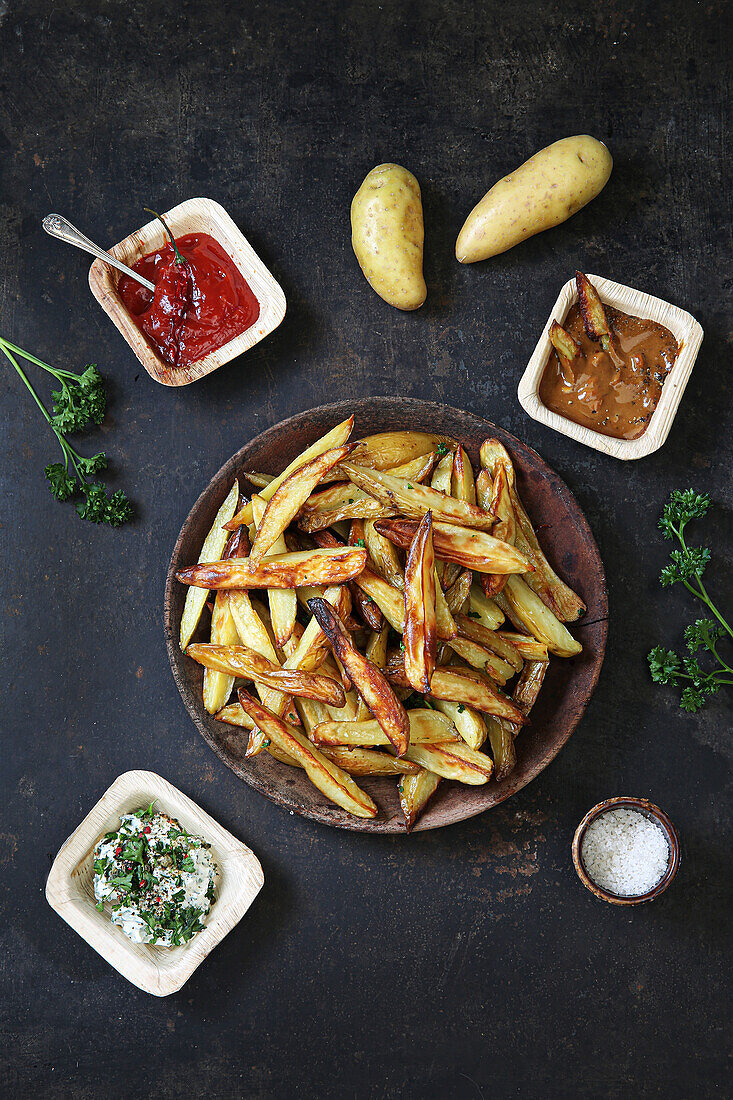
x,y
624,852
157,878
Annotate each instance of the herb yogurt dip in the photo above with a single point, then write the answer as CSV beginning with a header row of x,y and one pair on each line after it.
x,y
158,878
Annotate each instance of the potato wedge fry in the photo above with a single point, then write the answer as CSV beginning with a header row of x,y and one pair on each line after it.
x,y
414,791
458,593
335,438
527,611
254,634
420,636
260,481
368,680
283,571
385,450
594,316
454,760
471,725
566,350
442,474
489,639
382,553
418,469
500,503
501,739
469,548
283,601
334,782
389,600
217,686
359,761
483,659
287,500
426,727
463,487
460,685
528,685
415,500
234,715
528,648
238,660
211,550
483,609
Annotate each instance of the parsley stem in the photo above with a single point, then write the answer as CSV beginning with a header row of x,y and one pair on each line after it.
x,y
701,593
5,348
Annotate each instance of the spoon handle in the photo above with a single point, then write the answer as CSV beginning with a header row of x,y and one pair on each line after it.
x,y
59,227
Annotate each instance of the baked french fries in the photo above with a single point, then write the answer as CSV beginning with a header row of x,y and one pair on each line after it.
x,y
360,761
566,350
385,450
459,592
254,634
527,611
426,727
453,760
472,549
594,316
382,552
336,437
483,609
528,685
470,725
501,740
342,501
247,664
491,640
528,648
212,550
415,500
477,656
458,686
329,778
367,679
420,637
283,601
414,792
217,686
463,486
442,478
305,567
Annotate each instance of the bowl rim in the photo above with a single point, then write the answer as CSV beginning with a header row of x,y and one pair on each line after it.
x,y
685,328
413,408
648,809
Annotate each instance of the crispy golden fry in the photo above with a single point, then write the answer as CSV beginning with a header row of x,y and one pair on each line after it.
x,y
283,601
420,624
234,715
389,600
445,626
528,685
458,592
566,349
483,659
415,500
217,686
312,713
339,502
382,553
254,634
288,499
238,660
463,486
557,595
454,760
386,450
283,571
335,438
594,316
489,639
426,727
331,780
368,680
260,481
442,475
417,469
500,503
527,611
359,761
528,648
415,790
463,685
501,739
212,550
483,609
470,549
470,725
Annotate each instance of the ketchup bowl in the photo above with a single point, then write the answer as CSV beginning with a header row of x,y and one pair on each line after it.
x,y
230,304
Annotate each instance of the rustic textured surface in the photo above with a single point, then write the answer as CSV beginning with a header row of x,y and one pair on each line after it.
x,y
473,962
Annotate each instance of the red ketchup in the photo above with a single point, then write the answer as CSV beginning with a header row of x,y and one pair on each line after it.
x,y
198,306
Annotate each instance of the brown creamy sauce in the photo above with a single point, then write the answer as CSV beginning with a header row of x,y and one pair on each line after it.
x,y
614,392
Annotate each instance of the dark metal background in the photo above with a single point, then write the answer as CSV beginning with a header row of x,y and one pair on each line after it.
x,y
468,962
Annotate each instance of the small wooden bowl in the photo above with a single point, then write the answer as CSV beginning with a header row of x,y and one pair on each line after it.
x,y
681,324
653,813
193,216
566,539
70,885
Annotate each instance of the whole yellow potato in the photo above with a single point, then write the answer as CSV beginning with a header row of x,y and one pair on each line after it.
x,y
387,235
543,192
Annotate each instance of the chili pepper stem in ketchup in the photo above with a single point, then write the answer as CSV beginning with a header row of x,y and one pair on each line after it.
x,y
201,299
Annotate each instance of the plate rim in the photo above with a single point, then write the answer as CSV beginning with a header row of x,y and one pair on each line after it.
x,y
342,409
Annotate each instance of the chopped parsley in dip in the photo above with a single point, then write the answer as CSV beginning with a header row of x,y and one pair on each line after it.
x,y
158,878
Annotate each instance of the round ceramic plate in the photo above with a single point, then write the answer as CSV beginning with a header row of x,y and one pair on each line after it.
x,y
565,537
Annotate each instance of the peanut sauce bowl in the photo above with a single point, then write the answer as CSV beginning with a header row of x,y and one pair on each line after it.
x,y
683,326
198,215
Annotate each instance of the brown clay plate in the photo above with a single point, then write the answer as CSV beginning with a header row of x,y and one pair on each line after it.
x,y
565,537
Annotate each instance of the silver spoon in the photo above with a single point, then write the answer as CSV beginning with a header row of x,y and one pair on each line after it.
x,y
59,227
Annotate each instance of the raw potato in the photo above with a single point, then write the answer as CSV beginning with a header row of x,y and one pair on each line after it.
x,y
387,235
543,192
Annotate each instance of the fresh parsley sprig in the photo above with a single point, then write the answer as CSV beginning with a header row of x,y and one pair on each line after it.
x,y
79,401
686,566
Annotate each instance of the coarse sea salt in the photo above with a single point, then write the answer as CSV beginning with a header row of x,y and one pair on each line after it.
x,y
624,852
